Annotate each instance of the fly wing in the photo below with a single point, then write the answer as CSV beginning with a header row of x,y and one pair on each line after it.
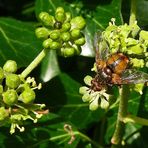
x,y
132,76
101,47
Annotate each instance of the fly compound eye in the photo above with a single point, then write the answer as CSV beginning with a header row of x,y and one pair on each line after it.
x,y
106,75
107,71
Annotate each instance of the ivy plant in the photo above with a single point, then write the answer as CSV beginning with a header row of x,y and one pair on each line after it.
x,y
47,68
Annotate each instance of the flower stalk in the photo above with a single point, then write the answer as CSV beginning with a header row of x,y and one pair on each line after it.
x,y
34,63
122,117
120,125
132,18
135,119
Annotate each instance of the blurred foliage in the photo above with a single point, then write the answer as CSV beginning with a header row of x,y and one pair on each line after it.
x,y
60,94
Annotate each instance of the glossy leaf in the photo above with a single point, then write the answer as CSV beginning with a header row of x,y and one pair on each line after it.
x,y
50,131
18,42
132,133
62,95
142,10
133,105
49,67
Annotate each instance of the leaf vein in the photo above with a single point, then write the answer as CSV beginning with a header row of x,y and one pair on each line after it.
x,y
7,40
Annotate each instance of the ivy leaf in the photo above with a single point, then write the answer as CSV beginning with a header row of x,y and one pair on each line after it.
x,y
50,131
142,10
98,17
132,132
17,42
53,131
61,95
96,13
49,67
133,105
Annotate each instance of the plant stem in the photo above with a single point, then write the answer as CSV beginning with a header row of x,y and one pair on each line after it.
x,y
120,125
34,63
59,137
132,18
88,139
134,119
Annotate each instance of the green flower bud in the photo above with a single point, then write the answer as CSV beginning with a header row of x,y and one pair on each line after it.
x,y
86,97
46,19
68,17
10,97
139,88
68,52
94,104
47,43
111,28
55,45
10,66
104,104
66,27
55,34
131,41
94,68
59,9
87,80
1,89
143,35
78,22
75,33
77,49
1,74
65,36
135,30
83,90
3,113
13,81
125,30
80,41
42,33
28,96
137,49
139,63
60,16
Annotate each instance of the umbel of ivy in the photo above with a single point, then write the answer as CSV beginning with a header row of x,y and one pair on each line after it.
x,y
123,38
17,98
62,33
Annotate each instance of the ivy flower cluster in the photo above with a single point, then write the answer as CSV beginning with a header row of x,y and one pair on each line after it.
x,y
61,32
127,39
17,98
95,98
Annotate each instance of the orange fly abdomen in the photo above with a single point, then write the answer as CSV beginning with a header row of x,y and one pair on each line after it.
x,y
117,62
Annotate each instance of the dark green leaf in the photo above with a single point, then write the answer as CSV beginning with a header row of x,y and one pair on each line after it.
x,y
112,117
50,131
62,95
132,132
17,42
142,11
133,105
56,132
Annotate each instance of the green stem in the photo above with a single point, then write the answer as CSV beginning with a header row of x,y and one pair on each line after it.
x,y
120,125
34,63
67,135
133,12
134,119
89,140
